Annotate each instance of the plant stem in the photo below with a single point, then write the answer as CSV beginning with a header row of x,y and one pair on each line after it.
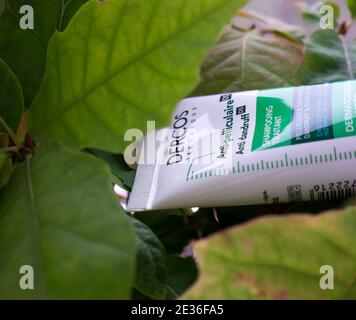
x,y
10,149
10,132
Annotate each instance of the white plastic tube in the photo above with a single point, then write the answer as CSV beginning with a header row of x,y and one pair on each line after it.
x,y
254,147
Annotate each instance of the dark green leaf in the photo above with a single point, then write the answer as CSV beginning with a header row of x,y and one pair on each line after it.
x,y
68,8
11,99
119,64
25,50
151,276
328,58
2,159
182,273
117,165
58,214
175,229
2,6
6,169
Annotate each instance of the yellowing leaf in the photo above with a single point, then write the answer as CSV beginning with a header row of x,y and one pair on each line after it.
x,y
250,59
279,258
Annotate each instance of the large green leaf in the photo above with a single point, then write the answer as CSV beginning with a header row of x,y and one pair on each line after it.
x,y
250,59
279,258
120,63
59,215
25,50
11,99
328,58
151,275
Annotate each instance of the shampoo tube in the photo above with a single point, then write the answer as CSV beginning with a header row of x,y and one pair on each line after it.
x,y
254,147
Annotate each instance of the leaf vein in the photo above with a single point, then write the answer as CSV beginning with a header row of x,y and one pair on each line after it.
x,y
129,64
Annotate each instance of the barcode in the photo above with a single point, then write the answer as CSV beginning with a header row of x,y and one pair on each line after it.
x,y
332,194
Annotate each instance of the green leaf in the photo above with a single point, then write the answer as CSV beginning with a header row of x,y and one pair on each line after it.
x,y
182,273
279,258
311,13
151,273
59,215
352,6
122,173
247,59
3,163
328,58
2,6
121,63
2,159
174,229
11,99
25,50
68,8
6,168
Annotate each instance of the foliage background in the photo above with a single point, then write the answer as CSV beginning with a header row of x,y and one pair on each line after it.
x,y
61,151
